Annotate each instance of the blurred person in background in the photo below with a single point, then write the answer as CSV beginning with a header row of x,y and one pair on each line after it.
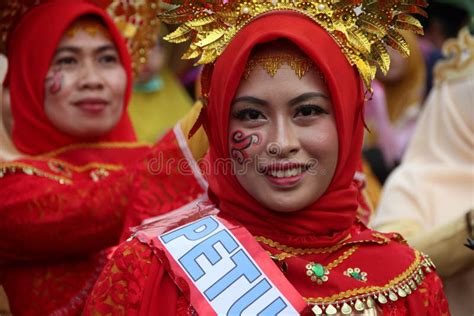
x,y
158,99
429,197
64,200
392,113
445,19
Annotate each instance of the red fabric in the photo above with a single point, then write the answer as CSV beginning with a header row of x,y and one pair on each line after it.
x,y
329,218
134,283
51,233
31,48
322,224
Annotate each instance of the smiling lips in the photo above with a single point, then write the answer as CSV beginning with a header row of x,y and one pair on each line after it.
x,y
285,174
91,105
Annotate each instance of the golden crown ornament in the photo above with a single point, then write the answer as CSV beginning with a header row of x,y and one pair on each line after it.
x,y
361,28
137,21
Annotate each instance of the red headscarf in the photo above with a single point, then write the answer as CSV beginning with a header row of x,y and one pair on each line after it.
x,y
329,218
30,51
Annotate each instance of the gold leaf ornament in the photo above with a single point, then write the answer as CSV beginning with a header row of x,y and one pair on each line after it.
x,y
361,28
137,21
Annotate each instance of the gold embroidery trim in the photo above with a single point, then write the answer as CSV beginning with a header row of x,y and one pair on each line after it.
x,y
78,169
284,255
310,251
29,170
104,145
369,289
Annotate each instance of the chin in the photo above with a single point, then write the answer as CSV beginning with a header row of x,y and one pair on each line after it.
x,y
290,203
285,205
90,132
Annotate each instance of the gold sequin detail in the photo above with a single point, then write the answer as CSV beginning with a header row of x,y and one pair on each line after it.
x,y
273,62
91,27
362,29
137,21
411,272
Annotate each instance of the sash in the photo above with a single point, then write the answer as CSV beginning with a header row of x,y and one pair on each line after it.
x,y
223,276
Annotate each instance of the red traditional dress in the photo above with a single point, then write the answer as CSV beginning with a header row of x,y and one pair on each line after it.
x,y
66,203
325,260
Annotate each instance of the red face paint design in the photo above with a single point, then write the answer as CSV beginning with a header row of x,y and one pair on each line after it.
x,y
240,144
55,81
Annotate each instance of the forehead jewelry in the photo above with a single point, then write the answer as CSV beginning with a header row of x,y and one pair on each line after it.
x,y
362,29
272,62
89,26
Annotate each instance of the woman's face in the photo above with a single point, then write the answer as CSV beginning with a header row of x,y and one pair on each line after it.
x,y
283,138
85,84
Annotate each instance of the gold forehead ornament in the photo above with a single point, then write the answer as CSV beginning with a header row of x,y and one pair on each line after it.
x,y
137,21
361,28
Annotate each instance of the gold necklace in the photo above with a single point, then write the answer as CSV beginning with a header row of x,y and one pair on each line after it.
x,y
319,273
316,271
299,251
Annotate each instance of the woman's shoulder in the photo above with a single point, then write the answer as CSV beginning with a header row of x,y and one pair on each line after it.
x,y
121,283
369,268
387,253
386,264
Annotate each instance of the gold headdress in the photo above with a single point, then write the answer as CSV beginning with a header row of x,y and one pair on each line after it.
x,y
361,28
137,20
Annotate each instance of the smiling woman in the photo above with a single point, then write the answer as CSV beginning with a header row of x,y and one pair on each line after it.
x,y
279,235
295,157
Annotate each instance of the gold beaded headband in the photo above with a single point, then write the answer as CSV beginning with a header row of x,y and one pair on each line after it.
x,y
271,63
361,28
137,21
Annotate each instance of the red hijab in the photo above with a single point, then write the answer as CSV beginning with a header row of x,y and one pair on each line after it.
x,y
329,218
30,51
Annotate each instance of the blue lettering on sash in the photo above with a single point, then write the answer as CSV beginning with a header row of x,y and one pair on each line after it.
x,y
206,248
243,267
208,239
194,231
274,307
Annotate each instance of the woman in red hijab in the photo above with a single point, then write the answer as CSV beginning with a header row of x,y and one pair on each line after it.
x,y
284,121
65,202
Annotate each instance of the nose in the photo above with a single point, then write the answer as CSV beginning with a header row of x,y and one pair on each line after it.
x,y
90,76
285,142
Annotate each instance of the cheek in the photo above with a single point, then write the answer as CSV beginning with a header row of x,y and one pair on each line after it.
x,y
244,144
118,82
322,143
58,88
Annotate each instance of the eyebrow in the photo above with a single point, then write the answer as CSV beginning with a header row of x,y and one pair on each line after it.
x,y
307,96
76,49
294,101
248,99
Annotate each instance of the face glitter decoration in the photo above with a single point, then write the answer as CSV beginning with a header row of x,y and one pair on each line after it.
x,y
240,143
54,81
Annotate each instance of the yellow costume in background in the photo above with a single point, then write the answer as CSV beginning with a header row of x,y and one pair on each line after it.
x,y
153,113
429,197
403,93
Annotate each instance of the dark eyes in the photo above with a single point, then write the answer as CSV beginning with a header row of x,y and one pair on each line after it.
x,y
302,111
66,61
109,59
309,110
248,115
